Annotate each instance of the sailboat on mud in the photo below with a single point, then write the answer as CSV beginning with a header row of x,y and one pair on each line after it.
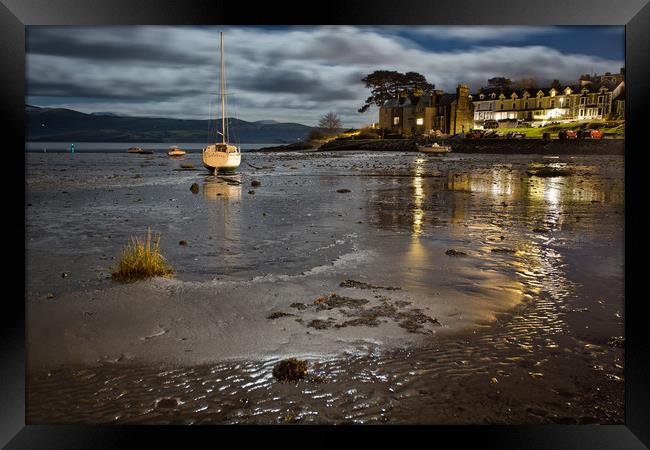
x,y
222,157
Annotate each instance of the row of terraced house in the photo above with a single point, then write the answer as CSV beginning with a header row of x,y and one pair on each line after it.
x,y
594,97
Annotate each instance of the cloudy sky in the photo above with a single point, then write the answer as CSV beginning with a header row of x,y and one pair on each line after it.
x,y
291,74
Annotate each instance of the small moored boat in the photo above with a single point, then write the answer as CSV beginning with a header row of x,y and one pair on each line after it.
x,y
175,151
435,148
134,150
223,156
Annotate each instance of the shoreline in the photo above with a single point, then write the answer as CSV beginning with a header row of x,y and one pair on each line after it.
x,y
490,146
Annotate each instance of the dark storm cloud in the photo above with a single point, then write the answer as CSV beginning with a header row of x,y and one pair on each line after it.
x,y
134,91
56,42
284,73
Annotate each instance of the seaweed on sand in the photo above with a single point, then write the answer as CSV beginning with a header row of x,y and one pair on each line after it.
x,y
291,369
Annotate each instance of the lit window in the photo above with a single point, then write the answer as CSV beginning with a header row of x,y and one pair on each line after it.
x,y
419,121
395,120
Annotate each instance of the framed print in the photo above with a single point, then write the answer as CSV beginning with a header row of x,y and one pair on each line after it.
x,y
417,218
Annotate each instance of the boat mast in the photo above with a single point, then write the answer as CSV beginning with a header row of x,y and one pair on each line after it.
x,y
223,97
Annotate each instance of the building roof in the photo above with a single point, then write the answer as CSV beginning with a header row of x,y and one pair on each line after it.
x,y
446,99
507,92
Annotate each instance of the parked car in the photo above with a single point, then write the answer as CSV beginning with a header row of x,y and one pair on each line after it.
x,y
595,134
515,135
489,124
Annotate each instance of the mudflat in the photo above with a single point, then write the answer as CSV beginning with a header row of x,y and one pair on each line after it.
x,y
408,282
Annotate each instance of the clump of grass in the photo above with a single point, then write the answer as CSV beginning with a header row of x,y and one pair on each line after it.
x,y
142,259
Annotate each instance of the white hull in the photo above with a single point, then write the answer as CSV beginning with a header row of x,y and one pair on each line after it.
x,y
174,151
441,149
221,157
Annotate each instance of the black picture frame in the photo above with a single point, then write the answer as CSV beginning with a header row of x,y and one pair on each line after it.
x,y
633,14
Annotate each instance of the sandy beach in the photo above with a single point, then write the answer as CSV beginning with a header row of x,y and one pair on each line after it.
x,y
339,258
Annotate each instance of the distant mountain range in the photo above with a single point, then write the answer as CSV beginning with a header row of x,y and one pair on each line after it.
x,y
66,125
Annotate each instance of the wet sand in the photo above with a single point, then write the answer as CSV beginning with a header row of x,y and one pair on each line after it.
x,y
521,325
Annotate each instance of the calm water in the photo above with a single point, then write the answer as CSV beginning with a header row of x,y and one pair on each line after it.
x,y
556,243
110,147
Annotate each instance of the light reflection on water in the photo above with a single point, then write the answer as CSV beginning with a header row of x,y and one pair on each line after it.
x,y
533,350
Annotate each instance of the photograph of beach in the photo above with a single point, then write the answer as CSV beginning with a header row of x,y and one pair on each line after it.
x,y
279,225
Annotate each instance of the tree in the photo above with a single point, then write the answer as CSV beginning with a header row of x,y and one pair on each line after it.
x,y
330,121
388,84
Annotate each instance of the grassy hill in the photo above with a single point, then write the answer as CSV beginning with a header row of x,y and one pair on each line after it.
x,y
65,125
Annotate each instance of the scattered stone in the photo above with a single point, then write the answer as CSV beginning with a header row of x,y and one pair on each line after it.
x,y
291,369
194,188
343,191
452,252
255,183
167,403
50,295
297,305
64,275
493,380
182,242
277,315
251,192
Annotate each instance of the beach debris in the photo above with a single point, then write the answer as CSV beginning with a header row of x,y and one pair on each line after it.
x,y
316,379
362,285
452,252
50,295
251,192
277,315
617,341
167,403
182,242
337,301
255,183
194,188
503,250
321,324
289,370
343,191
